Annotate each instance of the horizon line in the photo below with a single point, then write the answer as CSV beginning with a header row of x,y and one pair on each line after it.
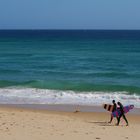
x,y
75,29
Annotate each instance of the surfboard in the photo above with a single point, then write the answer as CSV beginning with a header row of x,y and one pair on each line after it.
x,y
126,110
108,107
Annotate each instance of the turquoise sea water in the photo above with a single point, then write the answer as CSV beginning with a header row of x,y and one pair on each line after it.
x,y
69,65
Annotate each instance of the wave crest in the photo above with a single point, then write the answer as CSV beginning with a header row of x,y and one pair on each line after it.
x,y
46,96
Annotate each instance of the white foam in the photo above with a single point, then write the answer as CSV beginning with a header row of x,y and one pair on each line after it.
x,y
44,96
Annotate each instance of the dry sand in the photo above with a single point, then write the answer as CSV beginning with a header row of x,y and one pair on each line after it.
x,y
27,124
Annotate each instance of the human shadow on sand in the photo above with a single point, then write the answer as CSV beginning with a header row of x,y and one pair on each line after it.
x,y
100,123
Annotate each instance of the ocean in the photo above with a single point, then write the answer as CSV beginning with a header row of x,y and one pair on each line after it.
x,y
84,67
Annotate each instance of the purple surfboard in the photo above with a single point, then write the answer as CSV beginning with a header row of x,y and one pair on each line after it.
x,y
126,109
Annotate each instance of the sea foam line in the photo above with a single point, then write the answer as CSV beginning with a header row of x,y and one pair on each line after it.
x,y
45,96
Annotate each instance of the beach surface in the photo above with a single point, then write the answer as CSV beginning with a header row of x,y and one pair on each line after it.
x,y
17,123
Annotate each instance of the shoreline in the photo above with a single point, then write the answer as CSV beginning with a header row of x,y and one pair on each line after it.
x,y
64,108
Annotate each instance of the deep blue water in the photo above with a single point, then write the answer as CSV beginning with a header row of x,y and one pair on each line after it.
x,y
82,60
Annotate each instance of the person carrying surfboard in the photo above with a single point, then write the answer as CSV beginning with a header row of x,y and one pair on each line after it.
x,y
114,109
122,114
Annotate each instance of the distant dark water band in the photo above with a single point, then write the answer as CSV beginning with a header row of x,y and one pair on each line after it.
x,y
71,86
74,34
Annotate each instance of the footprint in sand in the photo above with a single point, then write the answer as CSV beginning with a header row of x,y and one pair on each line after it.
x,y
75,131
97,138
62,120
3,123
6,129
62,134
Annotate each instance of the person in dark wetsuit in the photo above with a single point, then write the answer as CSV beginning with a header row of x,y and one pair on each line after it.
x,y
122,114
114,109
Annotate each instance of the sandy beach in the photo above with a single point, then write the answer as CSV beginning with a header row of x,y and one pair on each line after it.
x,y
35,124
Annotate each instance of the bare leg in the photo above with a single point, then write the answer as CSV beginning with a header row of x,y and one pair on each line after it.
x,y
125,119
118,119
111,119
